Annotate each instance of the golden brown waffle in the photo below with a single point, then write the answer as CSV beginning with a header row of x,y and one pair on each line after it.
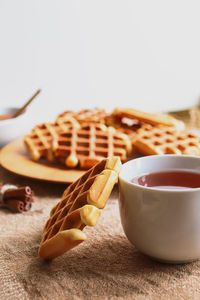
x,y
95,115
39,141
148,118
124,125
90,144
166,140
80,206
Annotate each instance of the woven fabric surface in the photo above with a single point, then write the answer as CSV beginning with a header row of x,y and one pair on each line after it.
x,y
105,266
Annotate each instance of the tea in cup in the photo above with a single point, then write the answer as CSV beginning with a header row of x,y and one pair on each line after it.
x,y
159,206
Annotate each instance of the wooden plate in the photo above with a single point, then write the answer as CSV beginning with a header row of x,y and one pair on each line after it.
x,y
15,158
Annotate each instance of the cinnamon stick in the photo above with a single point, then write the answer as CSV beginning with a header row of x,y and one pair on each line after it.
x,y
15,205
18,199
18,192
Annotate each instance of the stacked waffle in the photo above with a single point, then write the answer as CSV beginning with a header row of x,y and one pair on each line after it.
x,y
82,139
78,139
155,134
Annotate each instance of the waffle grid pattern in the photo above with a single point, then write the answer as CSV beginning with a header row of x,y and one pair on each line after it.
x,y
63,215
124,125
165,140
90,144
39,140
95,115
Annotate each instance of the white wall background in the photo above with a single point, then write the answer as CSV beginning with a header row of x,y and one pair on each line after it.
x,y
86,53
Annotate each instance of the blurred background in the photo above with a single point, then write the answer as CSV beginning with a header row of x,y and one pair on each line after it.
x,y
142,54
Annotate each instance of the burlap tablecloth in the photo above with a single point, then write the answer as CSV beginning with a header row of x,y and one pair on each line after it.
x,y
105,266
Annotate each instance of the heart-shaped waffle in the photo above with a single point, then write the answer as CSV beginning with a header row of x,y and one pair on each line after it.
x,y
166,140
38,142
80,206
95,115
89,144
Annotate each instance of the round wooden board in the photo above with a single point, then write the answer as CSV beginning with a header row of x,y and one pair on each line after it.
x,y
15,158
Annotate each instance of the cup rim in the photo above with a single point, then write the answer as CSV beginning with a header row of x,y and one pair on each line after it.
x,y
155,189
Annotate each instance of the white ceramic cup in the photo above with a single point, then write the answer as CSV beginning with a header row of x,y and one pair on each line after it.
x,y
161,223
13,128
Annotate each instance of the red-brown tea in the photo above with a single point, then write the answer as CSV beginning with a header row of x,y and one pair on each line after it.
x,y
169,180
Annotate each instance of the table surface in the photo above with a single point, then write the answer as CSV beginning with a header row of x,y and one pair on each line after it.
x,y
105,266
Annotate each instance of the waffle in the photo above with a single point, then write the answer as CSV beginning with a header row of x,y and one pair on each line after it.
x,y
148,118
124,125
80,206
166,140
95,115
38,142
89,144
